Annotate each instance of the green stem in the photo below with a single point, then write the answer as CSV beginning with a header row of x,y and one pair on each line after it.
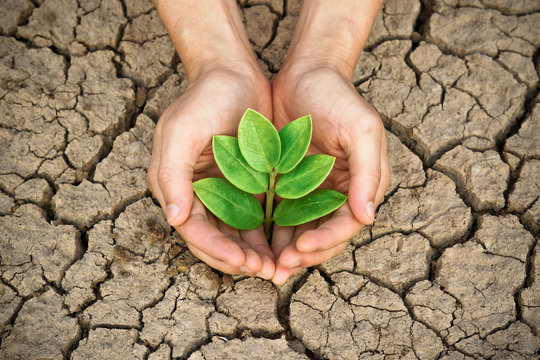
x,y
269,204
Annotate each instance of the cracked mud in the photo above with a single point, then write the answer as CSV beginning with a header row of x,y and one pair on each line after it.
x,y
89,268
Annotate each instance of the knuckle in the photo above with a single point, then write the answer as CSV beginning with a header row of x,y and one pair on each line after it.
x,y
170,125
169,174
368,127
373,126
375,175
165,175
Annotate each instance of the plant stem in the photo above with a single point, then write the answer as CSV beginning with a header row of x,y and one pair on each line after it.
x,y
269,204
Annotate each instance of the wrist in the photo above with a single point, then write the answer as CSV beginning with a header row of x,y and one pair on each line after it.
x,y
207,35
243,68
331,34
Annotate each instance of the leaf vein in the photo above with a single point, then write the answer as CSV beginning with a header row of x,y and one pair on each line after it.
x,y
228,200
262,147
248,169
296,208
301,176
284,156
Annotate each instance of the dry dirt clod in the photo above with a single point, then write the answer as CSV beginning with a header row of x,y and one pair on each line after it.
x,y
484,284
265,349
407,259
435,211
35,252
482,177
100,27
374,320
116,343
42,329
90,268
253,302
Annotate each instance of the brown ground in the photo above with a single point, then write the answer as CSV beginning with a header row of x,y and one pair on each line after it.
x,y
90,269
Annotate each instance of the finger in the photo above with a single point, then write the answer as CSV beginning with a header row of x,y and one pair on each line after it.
x,y
282,237
268,268
306,259
281,275
302,228
257,241
338,229
228,231
385,171
199,231
211,217
151,175
152,184
179,152
364,158
318,257
253,262
290,257
212,262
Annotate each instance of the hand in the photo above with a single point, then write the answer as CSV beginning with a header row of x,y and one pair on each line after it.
x,y
347,127
212,104
224,80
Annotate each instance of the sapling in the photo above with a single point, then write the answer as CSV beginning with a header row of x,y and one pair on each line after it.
x,y
261,160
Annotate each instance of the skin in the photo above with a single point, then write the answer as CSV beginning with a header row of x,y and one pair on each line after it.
x,y
326,45
224,79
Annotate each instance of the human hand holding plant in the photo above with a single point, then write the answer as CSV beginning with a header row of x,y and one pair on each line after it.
x,y
224,79
182,153
316,78
344,126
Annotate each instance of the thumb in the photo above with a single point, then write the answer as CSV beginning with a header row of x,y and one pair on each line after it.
x,y
175,174
365,169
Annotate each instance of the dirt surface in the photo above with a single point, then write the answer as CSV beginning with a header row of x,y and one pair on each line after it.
x,y
89,268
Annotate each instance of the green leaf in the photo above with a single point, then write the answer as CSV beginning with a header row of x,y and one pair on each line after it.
x,y
320,202
233,206
309,174
295,138
259,141
235,168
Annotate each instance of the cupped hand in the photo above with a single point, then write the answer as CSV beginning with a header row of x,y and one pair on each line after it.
x,y
212,104
346,126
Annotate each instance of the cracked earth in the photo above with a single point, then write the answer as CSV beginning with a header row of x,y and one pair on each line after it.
x,y
89,268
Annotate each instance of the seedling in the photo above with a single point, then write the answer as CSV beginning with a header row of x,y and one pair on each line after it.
x,y
260,161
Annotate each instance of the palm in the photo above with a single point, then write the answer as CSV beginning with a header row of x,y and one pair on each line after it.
x,y
332,101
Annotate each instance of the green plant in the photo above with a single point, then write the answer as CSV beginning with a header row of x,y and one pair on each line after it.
x,y
251,165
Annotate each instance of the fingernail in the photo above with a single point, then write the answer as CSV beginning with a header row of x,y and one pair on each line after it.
x,y
370,210
244,269
259,275
172,211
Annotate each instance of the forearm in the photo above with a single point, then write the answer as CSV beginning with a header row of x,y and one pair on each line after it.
x,y
206,34
332,32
